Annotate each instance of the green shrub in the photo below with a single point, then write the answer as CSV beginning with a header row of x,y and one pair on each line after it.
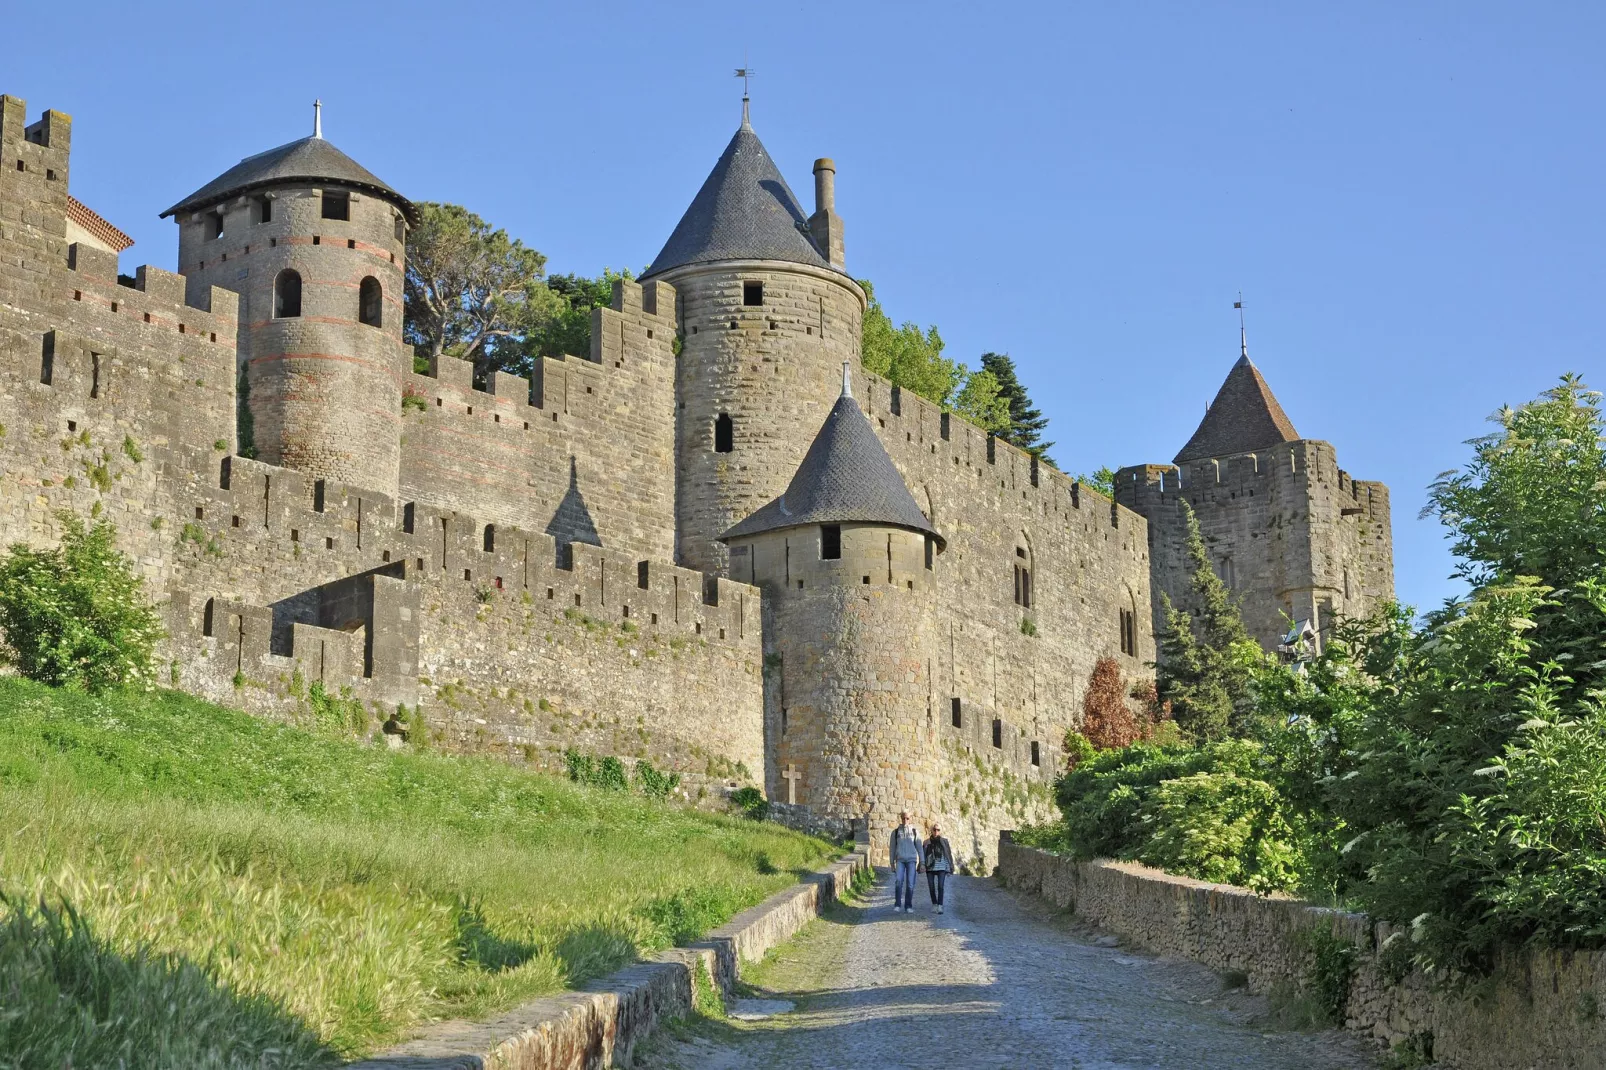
x,y
72,1000
1220,827
1102,797
77,615
653,783
751,802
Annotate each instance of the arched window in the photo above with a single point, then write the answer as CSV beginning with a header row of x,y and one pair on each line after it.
x,y
723,434
371,302
490,538
287,294
1023,577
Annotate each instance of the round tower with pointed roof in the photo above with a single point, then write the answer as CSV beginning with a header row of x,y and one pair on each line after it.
x,y
768,314
845,558
315,246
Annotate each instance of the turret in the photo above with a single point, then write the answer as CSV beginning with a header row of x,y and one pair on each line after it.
x,y
767,315
845,558
315,246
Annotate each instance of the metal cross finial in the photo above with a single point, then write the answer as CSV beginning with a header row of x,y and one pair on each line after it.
x,y
1243,337
317,119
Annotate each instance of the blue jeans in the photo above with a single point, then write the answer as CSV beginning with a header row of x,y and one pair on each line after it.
x,y
938,883
903,883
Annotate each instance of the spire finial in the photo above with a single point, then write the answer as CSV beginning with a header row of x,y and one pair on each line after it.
x,y
746,75
847,381
1243,336
317,119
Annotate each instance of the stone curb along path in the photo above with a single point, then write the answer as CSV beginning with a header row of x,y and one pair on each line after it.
x,y
600,1024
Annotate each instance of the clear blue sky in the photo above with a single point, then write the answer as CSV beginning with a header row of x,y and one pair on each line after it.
x,y
1409,195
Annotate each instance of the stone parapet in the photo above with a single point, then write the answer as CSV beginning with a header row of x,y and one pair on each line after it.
x,y
1538,1008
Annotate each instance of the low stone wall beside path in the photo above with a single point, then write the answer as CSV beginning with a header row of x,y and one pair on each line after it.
x,y
599,1025
1540,1010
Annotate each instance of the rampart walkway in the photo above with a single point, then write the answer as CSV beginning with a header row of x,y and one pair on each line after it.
x,y
995,982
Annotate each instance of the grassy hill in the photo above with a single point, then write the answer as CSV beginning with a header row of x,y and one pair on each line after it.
x,y
249,886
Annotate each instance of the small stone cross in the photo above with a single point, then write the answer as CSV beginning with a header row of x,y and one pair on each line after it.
x,y
791,776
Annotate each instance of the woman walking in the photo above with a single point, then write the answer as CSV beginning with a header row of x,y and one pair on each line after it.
x,y
939,859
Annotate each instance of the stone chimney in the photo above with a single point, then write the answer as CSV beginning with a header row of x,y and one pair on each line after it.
x,y
825,224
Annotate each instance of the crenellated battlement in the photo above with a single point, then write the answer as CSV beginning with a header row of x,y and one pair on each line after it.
x,y
946,436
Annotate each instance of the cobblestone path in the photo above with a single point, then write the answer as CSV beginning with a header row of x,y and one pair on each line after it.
x,y
997,981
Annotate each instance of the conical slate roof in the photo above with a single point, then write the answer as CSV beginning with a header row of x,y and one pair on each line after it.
x,y
311,159
846,477
1243,418
745,211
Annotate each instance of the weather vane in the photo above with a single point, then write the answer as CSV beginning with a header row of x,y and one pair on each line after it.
x,y
1243,336
745,74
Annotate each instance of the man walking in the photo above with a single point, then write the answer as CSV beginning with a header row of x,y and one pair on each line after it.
x,y
904,851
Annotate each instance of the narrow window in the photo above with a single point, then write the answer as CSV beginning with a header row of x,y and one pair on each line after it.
x,y
287,294
830,542
264,207
931,550
1036,755
214,225
998,734
47,359
1023,578
401,230
1129,632
783,720
371,302
490,538
336,205
409,517
94,378
752,293
958,715
723,434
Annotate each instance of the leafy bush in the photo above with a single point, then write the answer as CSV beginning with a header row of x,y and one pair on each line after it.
x,y
751,802
1103,798
1221,827
77,615
653,783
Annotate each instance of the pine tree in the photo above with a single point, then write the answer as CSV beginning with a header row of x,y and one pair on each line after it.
x,y
1026,422
1204,657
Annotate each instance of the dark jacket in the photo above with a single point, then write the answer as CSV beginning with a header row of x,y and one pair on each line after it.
x,y
935,848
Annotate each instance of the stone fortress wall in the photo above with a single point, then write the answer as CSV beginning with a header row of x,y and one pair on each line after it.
x,y
1293,535
1088,559
119,401
510,561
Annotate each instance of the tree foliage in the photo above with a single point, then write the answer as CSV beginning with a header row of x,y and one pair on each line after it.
x,y
472,292
1102,481
1447,774
1205,654
568,330
76,616
1026,421
912,359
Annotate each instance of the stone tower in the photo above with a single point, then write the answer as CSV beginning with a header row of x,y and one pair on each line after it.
x,y
844,558
767,315
1292,535
315,246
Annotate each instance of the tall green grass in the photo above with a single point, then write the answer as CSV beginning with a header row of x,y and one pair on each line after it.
x,y
359,891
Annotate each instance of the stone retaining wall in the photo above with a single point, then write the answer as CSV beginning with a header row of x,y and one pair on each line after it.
x,y
1540,1010
600,1025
